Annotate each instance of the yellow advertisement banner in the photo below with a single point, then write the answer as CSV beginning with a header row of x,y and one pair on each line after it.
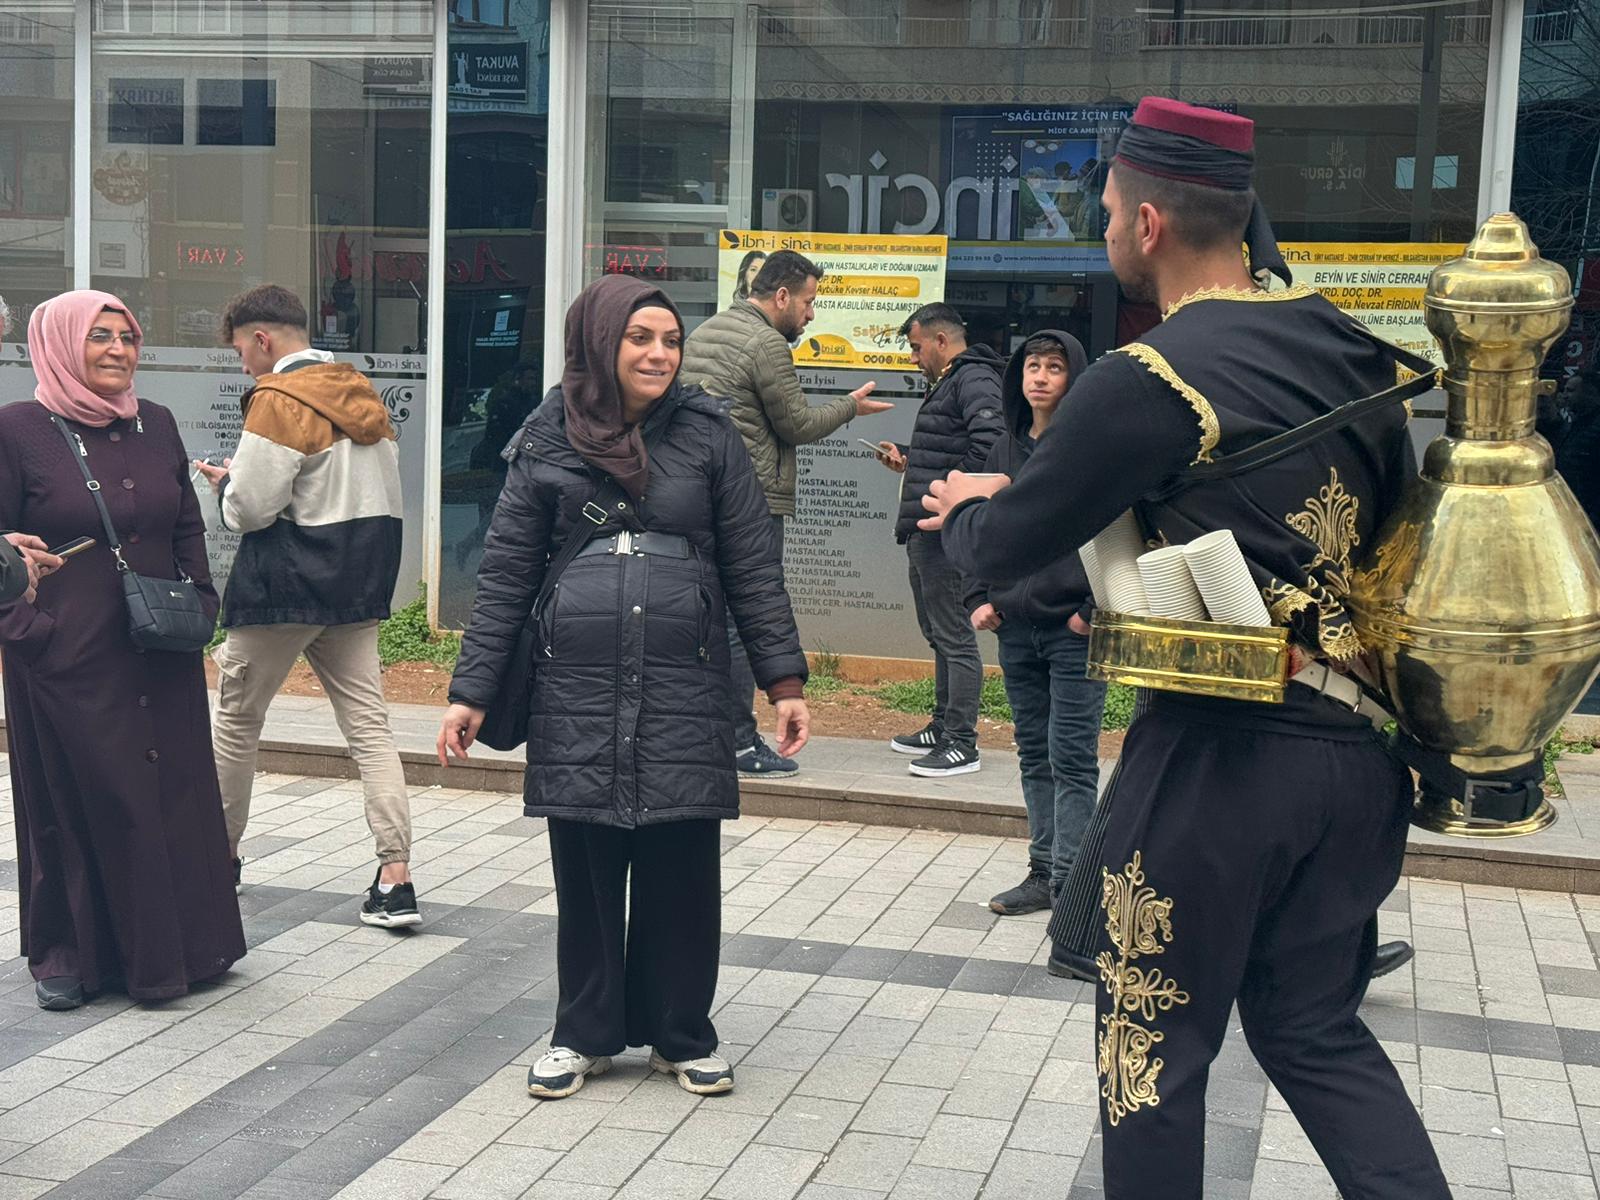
x,y
1380,284
873,284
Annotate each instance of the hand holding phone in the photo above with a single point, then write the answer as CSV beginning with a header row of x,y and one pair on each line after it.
x,y
887,453
75,546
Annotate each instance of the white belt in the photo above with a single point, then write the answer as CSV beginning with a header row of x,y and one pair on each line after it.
x,y
1323,680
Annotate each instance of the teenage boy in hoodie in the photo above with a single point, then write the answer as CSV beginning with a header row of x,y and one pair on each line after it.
x,y
315,490
1041,622
958,421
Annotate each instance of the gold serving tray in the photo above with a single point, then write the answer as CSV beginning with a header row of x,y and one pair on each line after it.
x,y
1238,662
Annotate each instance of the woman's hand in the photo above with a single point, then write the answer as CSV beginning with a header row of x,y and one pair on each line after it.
x,y
458,731
37,558
794,726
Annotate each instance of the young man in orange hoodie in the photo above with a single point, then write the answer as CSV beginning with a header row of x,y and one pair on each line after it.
x,y
315,489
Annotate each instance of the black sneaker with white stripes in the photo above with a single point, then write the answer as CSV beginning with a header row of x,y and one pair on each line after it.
x,y
948,758
923,741
394,909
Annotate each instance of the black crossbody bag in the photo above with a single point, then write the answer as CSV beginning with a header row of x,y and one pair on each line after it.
x,y
163,614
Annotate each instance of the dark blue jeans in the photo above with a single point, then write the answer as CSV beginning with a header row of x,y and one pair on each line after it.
x,y
1057,711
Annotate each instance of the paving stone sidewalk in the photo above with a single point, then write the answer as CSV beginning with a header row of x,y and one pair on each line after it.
x,y
893,1038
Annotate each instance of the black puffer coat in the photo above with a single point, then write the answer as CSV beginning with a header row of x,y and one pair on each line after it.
x,y
960,419
631,717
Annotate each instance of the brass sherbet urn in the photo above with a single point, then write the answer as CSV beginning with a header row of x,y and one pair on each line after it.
x,y
1481,595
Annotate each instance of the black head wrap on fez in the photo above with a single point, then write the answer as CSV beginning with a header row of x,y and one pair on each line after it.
x,y
1190,144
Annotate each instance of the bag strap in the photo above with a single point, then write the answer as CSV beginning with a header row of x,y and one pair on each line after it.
x,y
596,517
609,500
1271,449
80,455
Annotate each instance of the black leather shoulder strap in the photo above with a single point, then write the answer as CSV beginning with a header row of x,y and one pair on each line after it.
x,y
1271,449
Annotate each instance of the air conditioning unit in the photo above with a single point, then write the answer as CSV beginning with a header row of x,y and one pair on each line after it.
x,y
788,209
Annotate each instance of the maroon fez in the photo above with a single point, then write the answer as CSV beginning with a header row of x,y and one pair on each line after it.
x,y
1207,148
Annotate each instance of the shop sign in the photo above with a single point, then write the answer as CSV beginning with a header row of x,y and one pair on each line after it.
x,y
645,262
395,75
872,285
1380,284
192,256
1337,174
489,70
122,183
479,265
1018,174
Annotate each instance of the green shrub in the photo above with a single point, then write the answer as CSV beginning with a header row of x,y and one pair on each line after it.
x,y
1119,707
916,696
407,637
1553,750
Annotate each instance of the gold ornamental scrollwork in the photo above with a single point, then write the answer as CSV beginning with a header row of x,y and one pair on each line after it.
x,y
1328,521
1139,924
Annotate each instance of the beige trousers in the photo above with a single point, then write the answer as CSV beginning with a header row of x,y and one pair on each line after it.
x,y
252,665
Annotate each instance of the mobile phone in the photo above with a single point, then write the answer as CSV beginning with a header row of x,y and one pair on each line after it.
x,y
75,546
873,446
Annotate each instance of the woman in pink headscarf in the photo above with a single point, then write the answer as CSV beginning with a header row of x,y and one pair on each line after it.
x,y
121,850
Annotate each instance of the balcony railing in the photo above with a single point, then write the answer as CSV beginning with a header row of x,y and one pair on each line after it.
x,y
1307,30
1548,28
934,33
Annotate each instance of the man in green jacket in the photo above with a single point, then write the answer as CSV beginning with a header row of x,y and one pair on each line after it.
x,y
742,355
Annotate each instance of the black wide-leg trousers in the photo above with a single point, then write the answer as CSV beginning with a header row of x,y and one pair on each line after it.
x,y
637,967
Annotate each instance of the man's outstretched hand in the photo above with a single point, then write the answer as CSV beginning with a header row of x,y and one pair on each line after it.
x,y
954,489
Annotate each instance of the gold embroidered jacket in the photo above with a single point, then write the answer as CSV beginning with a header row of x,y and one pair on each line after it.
x,y
1224,370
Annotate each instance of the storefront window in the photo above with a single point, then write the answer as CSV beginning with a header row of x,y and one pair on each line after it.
x,y
992,125
284,143
494,280
36,40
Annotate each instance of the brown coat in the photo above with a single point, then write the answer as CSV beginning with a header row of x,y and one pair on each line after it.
x,y
122,856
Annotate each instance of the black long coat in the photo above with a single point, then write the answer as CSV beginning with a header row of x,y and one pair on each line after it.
x,y
632,719
122,854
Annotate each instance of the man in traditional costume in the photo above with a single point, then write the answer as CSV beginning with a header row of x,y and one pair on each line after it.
x,y
1248,844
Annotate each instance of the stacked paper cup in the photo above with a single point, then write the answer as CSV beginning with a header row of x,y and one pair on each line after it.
x,y
1168,585
1091,568
1116,550
1224,581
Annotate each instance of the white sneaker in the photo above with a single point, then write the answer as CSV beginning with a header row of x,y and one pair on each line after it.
x,y
561,1072
703,1076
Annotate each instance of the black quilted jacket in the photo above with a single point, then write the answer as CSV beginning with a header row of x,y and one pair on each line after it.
x,y
631,719
960,419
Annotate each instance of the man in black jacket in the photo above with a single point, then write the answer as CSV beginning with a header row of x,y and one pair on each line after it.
x,y
1041,621
957,424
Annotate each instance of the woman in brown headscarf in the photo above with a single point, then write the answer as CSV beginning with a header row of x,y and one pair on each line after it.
x,y
630,745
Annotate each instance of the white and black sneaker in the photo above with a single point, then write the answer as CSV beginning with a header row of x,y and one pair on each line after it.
x,y
948,758
708,1076
562,1072
394,909
924,741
